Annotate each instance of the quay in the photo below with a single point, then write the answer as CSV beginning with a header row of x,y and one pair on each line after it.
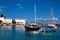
x,y
19,21
41,24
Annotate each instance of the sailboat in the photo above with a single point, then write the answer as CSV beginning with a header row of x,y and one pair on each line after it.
x,y
33,26
51,26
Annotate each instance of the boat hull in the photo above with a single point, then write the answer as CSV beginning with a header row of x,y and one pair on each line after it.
x,y
32,29
49,29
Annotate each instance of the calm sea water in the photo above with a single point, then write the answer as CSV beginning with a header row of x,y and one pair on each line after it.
x,y
19,33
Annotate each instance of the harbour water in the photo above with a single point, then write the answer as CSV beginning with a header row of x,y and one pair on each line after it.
x,y
19,33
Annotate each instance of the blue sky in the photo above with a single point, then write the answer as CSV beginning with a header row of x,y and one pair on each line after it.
x,y
25,8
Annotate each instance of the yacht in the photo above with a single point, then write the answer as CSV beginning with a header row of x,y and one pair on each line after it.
x,y
33,26
50,26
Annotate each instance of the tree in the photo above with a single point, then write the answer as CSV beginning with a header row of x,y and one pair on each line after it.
x,y
14,22
0,21
1,15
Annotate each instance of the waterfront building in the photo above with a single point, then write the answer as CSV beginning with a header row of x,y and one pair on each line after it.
x,y
2,19
8,21
20,21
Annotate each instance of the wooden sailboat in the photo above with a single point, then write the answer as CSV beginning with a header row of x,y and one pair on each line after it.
x,y
33,26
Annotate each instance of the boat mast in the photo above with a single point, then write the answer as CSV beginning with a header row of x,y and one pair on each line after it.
x,y
51,12
35,12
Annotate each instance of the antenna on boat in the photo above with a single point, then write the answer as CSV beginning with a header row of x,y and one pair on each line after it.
x,y
35,12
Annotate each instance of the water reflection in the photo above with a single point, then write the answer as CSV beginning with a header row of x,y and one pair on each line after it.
x,y
18,27
48,33
13,32
30,33
1,35
19,33
8,27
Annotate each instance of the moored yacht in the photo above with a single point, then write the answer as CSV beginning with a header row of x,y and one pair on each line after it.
x,y
51,26
33,26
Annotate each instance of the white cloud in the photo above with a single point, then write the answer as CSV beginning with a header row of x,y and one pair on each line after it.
x,y
53,19
45,19
40,18
37,18
2,6
0,10
56,19
19,6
